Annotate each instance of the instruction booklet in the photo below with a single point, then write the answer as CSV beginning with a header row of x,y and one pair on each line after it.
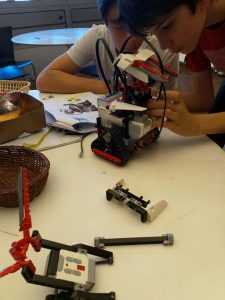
x,y
75,112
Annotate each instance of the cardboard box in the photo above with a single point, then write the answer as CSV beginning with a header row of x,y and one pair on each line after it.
x,y
28,115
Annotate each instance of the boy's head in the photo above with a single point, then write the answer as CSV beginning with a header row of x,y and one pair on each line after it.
x,y
110,13
104,7
176,23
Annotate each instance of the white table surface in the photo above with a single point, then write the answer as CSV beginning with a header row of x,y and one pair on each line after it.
x,y
186,172
62,36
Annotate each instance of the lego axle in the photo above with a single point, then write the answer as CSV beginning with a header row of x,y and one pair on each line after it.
x,y
82,295
165,239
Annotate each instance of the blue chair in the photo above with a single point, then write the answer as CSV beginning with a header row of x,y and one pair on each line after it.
x,y
9,67
11,72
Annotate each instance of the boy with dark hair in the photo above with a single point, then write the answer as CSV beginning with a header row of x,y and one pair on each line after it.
x,y
61,76
104,7
197,29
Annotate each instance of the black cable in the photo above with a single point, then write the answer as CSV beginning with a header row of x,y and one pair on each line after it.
x,y
97,45
123,80
156,53
112,60
124,44
116,75
164,109
117,70
160,62
162,86
81,143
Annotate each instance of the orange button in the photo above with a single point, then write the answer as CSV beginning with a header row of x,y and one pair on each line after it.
x,y
80,267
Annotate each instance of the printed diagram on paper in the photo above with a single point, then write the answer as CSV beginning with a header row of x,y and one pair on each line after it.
x,y
77,112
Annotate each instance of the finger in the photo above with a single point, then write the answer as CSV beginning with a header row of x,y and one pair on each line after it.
x,y
173,105
159,113
159,123
171,115
154,93
167,95
161,103
166,123
172,95
153,104
156,113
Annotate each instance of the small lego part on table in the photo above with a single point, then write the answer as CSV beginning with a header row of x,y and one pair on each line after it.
x,y
165,239
142,207
82,295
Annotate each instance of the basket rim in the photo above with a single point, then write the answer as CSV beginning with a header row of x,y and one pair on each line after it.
x,y
14,81
35,162
10,86
39,154
22,147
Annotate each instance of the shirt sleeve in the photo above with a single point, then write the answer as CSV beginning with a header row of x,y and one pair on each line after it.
x,y
82,52
196,61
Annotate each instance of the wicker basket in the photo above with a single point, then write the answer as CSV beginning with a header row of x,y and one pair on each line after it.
x,y
8,86
11,159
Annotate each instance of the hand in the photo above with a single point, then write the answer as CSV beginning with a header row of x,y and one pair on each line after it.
x,y
177,118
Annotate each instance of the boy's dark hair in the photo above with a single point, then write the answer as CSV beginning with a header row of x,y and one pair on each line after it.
x,y
140,15
104,7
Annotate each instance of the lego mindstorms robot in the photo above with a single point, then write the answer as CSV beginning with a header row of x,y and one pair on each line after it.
x,y
123,125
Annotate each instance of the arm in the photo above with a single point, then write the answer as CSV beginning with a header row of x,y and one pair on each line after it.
x,y
200,97
58,77
178,117
179,120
